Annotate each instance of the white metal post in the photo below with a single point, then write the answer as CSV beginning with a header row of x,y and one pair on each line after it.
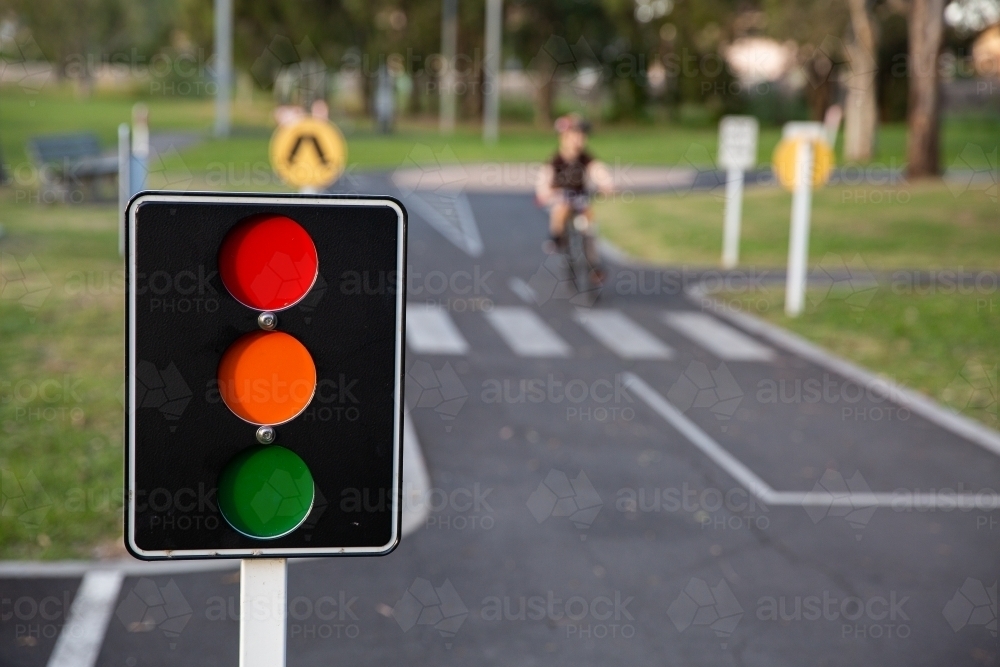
x,y
491,63
734,211
124,189
140,149
262,612
449,44
223,65
798,242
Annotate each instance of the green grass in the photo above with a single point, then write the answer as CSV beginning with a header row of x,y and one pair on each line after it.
x,y
940,342
61,375
901,225
59,109
934,338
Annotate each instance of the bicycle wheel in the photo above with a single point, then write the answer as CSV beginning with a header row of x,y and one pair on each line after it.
x,y
579,269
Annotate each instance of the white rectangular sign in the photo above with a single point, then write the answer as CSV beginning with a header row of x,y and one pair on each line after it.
x,y
803,129
738,142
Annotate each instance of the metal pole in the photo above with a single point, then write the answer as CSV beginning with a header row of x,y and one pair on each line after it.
x,y
734,211
491,63
798,242
124,189
449,45
223,65
138,176
262,612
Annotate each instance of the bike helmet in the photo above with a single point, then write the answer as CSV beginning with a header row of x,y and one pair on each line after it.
x,y
572,121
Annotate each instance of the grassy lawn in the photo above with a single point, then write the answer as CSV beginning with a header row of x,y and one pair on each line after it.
x,y
941,337
57,109
902,225
60,380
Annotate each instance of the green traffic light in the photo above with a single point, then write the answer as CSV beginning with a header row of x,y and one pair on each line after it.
x,y
266,492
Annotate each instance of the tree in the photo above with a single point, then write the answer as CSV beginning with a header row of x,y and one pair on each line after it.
x,y
555,39
923,115
78,36
861,103
816,28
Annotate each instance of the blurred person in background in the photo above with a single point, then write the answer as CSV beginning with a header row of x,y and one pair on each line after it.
x,y
565,185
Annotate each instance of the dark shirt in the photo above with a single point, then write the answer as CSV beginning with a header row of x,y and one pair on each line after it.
x,y
571,175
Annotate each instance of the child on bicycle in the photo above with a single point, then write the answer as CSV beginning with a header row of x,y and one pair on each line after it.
x,y
565,184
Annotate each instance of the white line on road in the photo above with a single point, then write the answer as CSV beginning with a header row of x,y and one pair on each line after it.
x,y
748,479
81,637
742,474
621,335
430,330
720,339
448,212
523,290
416,480
526,333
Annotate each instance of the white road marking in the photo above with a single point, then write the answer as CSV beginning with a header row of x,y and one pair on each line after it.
x,y
526,333
621,335
523,290
430,330
736,469
81,637
448,212
416,480
720,339
750,481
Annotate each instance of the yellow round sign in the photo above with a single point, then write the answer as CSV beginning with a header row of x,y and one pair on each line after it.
x,y
308,153
786,153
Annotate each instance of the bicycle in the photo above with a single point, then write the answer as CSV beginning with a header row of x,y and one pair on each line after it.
x,y
579,251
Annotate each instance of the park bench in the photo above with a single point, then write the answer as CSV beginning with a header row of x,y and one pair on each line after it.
x,y
71,165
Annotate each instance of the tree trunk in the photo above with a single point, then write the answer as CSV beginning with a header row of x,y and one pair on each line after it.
x,y
820,94
544,92
861,105
417,85
923,116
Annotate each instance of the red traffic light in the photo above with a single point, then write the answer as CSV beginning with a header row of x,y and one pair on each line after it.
x,y
268,262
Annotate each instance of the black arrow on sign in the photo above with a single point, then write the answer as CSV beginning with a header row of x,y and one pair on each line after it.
x,y
315,143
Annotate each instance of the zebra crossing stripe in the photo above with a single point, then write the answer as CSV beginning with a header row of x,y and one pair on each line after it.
x,y
526,333
720,339
621,335
430,330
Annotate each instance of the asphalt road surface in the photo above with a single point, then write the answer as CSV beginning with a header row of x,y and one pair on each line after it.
x,y
641,482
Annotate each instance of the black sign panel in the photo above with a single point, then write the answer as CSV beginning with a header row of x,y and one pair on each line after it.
x,y
248,435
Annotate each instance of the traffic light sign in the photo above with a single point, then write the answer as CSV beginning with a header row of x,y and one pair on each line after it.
x,y
264,392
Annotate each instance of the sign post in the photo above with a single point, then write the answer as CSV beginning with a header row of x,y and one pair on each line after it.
x,y
737,153
262,612
491,71
254,393
802,160
798,238
124,187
